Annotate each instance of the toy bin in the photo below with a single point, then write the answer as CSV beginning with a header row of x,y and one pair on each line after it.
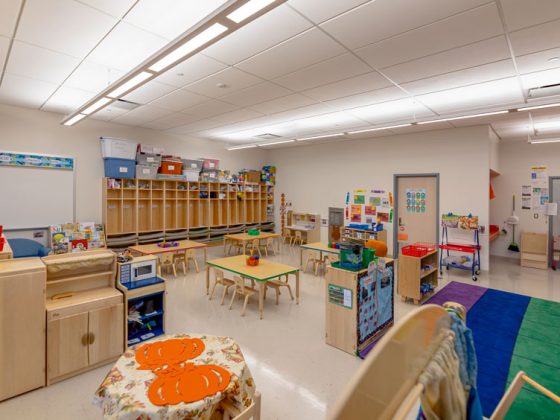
x,y
2,240
120,168
351,256
210,163
149,149
192,164
118,148
148,159
414,251
191,174
171,165
210,175
146,172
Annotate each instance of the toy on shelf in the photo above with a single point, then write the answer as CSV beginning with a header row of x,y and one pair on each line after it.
x,y
468,222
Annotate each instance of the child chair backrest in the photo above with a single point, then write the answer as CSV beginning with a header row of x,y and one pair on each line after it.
x,y
239,283
255,243
219,275
270,241
190,253
298,234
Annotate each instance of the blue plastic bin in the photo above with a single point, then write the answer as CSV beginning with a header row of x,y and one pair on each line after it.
x,y
120,168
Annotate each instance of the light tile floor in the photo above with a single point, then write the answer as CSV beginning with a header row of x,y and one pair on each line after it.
x,y
298,375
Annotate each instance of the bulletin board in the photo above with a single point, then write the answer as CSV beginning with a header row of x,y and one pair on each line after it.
x,y
369,206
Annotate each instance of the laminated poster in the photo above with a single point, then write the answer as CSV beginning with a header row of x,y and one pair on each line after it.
x,y
356,213
539,176
416,200
36,161
526,197
359,199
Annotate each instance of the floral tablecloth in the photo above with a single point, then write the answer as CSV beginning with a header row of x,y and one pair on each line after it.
x,y
123,393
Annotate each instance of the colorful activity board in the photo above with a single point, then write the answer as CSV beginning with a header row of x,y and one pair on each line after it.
x,y
76,237
369,206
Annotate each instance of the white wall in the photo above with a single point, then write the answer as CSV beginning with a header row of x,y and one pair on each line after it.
x,y
494,151
516,159
26,130
316,177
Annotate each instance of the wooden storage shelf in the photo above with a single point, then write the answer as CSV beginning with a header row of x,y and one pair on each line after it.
x,y
411,276
534,250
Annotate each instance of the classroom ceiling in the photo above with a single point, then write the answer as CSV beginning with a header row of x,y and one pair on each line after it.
x,y
306,68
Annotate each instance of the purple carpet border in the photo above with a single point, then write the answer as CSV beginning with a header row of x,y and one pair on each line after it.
x,y
463,293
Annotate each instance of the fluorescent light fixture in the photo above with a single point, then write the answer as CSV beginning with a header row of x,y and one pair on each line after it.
x,y
547,125
529,108
326,136
75,119
244,146
125,87
379,128
544,140
276,142
96,105
248,9
188,47
464,117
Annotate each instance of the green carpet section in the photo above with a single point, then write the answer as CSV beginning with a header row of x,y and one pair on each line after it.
x,y
537,353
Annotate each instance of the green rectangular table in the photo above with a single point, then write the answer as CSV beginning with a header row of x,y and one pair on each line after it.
x,y
266,270
316,246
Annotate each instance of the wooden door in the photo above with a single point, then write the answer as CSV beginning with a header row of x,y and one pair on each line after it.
x,y
417,208
22,333
336,222
106,333
67,347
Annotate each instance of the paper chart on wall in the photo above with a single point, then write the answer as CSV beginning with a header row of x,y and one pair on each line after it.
x,y
367,206
416,200
539,199
539,176
526,197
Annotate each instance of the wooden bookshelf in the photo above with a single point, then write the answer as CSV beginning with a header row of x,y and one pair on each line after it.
x,y
413,272
141,206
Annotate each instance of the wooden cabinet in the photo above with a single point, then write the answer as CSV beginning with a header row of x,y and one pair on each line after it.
x,y
534,250
413,272
22,326
105,333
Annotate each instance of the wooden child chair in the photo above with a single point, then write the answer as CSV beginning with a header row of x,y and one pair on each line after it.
x,y
237,245
328,259
277,284
191,256
220,279
313,258
243,290
268,246
180,258
287,236
298,238
255,246
166,263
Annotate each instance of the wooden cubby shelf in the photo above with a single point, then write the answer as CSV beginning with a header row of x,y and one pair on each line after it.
x,y
413,272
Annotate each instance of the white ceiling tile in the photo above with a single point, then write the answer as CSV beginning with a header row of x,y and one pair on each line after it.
x,y
148,92
335,69
66,100
471,76
142,115
320,10
283,104
171,121
268,30
196,126
8,17
391,111
521,13
384,19
538,61
450,33
333,121
21,91
210,109
4,45
233,78
255,94
63,25
351,86
126,47
237,116
536,38
170,18
499,92
296,53
191,70
367,98
93,77
115,8
488,51
39,63
179,100
302,112
109,113
541,78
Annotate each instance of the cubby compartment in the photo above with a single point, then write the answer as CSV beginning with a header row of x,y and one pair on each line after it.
x,y
129,216
113,218
170,215
143,216
157,215
145,318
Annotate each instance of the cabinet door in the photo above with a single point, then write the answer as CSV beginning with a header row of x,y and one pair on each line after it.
x,y
106,333
67,345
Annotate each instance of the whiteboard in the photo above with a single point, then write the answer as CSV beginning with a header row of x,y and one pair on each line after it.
x,y
35,197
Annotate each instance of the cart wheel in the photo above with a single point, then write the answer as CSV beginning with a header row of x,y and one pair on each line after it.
x,y
474,278
447,267
477,272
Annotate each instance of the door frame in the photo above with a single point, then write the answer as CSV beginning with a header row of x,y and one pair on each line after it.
x,y
550,223
396,206
329,220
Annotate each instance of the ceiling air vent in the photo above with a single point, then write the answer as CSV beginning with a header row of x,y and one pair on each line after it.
x,y
124,104
544,91
268,136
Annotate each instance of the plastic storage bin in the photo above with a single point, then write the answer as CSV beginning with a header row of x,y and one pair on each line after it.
x,y
120,168
414,251
209,175
146,171
148,148
118,148
148,159
191,174
210,163
192,164
171,165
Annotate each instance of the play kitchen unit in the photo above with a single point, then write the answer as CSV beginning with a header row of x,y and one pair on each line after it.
x,y
63,315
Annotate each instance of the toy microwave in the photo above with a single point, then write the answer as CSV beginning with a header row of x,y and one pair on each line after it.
x,y
138,272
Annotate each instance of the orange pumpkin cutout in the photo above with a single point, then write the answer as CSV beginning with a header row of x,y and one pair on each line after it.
x,y
168,353
177,381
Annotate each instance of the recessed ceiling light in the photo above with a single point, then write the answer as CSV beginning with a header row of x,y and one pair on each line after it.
x,y
533,140
75,119
326,136
528,108
96,105
276,142
379,128
464,117
244,146
125,87
547,125
248,9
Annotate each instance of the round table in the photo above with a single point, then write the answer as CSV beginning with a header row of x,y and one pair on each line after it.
x,y
123,393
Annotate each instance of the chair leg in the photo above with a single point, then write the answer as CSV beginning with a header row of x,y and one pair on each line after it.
x,y
232,298
196,265
224,294
212,291
277,295
290,290
266,251
265,290
245,305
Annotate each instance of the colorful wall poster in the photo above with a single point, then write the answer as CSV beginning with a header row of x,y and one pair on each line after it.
x,y
374,201
75,237
416,200
366,205
526,197
356,213
359,199
539,176
539,199
383,217
370,210
451,220
36,160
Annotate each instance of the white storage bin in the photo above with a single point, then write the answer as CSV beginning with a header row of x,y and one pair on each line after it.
x,y
118,148
191,174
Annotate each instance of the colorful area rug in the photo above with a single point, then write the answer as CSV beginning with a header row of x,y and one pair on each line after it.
x,y
511,333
